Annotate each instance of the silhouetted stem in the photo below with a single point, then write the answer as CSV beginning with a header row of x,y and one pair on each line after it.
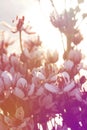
x,y
68,46
20,38
62,41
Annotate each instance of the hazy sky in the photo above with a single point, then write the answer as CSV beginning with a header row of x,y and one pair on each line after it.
x,y
10,8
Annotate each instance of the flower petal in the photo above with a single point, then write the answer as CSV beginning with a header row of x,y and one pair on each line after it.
x,y
69,87
21,83
51,88
18,92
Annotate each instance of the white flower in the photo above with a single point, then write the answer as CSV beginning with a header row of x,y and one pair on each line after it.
x,y
21,83
51,88
75,56
68,65
52,56
26,53
76,93
18,92
39,75
66,77
7,78
40,91
31,90
46,101
84,86
54,78
14,60
5,59
69,87
16,77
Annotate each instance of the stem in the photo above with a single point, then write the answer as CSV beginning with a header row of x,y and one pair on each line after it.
x,y
68,46
62,41
68,43
20,38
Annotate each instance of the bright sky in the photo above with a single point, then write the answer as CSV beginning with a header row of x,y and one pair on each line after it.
x,y
32,11
38,15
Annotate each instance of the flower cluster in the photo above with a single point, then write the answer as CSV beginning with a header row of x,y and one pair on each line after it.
x,y
34,91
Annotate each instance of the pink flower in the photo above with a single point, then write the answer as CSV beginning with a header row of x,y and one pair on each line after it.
x,y
31,90
39,75
16,77
20,23
14,61
68,65
18,92
21,83
7,79
51,88
69,87
75,56
52,56
1,85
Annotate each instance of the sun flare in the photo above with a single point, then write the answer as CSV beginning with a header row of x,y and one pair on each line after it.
x,y
50,36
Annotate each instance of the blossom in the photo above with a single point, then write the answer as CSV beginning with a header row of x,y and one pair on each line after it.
x,y
18,92
51,88
52,56
7,79
68,65
35,91
75,56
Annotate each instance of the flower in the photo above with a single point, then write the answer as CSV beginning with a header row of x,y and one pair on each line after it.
x,y
18,92
75,56
77,38
52,56
51,88
21,83
7,79
68,65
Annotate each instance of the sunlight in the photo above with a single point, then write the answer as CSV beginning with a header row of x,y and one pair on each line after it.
x,y
39,14
49,35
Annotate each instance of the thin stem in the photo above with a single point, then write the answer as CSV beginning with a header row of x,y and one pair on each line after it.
x,y
62,41
20,38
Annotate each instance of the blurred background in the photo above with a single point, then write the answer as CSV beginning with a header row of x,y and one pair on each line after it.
x,y
38,14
